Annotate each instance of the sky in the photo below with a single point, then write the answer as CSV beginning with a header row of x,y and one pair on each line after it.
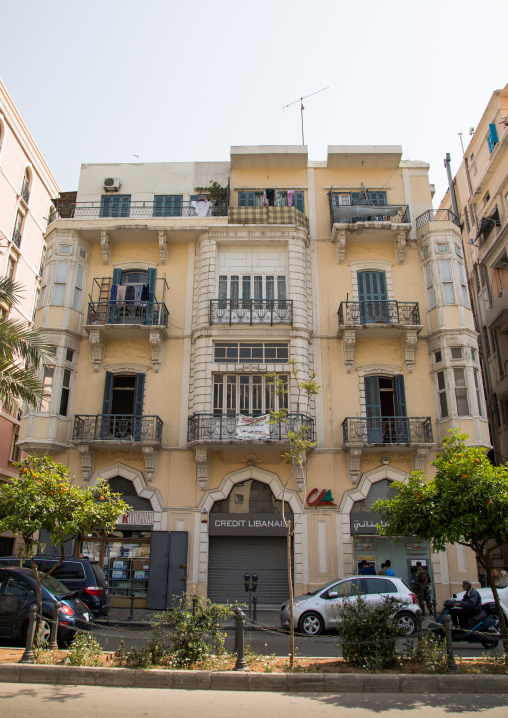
x,y
104,81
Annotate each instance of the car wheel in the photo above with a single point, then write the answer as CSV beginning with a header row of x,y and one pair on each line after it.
x,y
44,631
406,623
311,624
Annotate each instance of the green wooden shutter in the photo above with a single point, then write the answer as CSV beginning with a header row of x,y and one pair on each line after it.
x,y
139,395
149,310
108,393
246,199
298,201
373,406
402,424
117,275
373,297
377,198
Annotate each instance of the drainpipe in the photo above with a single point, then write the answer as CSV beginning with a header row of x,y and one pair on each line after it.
x,y
455,209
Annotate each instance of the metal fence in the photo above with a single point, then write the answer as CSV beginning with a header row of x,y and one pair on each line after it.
x,y
379,312
223,427
436,215
387,430
251,311
128,311
117,427
93,210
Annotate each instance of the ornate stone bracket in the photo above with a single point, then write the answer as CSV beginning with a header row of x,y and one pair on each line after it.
x,y
354,456
409,342
340,242
202,467
86,456
150,454
97,346
156,345
163,247
301,474
401,247
106,248
420,459
348,349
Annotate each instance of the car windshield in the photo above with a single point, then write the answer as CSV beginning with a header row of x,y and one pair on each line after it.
x,y
323,588
53,585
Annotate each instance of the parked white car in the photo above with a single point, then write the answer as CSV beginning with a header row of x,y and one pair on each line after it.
x,y
317,611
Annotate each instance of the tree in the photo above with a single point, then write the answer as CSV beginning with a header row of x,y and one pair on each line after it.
x,y
465,503
296,431
44,498
22,350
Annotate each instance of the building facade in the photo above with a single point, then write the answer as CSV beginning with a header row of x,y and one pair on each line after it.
x,y
26,189
169,305
481,197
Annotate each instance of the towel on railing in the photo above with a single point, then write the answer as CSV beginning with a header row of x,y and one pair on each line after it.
x,y
112,296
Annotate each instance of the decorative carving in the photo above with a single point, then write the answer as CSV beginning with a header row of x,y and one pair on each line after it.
x,y
156,345
420,459
340,241
106,248
409,343
202,467
348,349
401,247
300,473
163,247
86,456
97,346
150,454
354,456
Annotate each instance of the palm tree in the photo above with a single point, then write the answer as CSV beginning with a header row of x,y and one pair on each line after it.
x,y
22,351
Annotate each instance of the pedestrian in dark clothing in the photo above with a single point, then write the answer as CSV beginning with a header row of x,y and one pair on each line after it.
x,y
366,570
469,605
422,587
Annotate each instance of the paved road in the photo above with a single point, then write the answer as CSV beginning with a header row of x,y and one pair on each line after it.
x,y
27,700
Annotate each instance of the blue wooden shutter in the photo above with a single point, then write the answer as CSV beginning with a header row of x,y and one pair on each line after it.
x,y
298,201
246,199
117,206
378,198
149,310
373,297
117,275
357,198
492,139
139,395
401,422
373,405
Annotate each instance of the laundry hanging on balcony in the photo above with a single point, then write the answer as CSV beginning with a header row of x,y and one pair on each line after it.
x,y
253,427
291,195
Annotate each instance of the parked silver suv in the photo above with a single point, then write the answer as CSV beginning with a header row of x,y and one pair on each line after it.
x,y
318,610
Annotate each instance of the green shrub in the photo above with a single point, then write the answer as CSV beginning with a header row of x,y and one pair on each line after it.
x,y
84,650
368,633
429,649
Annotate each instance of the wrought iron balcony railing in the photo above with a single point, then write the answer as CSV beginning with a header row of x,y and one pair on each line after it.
x,y
117,427
398,214
93,210
436,215
25,193
387,430
251,311
227,427
379,312
16,237
128,311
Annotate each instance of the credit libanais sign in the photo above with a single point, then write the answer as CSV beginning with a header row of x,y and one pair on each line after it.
x,y
246,524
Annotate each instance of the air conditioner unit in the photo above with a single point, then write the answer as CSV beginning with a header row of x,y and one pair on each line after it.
x,y
112,184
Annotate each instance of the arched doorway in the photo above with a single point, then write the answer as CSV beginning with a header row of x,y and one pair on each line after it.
x,y
247,535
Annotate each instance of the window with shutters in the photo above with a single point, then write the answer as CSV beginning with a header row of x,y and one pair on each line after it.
x,y
122,406
373,297
115,205
441,388
247,394
386,409
167,205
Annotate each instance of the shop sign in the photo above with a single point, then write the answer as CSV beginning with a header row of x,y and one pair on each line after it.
x,y
417,546
251,428
365,522
320,498
366,546
246,525
136,518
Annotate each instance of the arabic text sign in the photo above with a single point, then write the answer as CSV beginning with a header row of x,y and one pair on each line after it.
x,y
364,522
253,427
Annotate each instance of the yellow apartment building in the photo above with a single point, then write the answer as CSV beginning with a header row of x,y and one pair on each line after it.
x,y
168,306
480,190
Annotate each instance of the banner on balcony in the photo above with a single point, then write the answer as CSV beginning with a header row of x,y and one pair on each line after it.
x,y
253,427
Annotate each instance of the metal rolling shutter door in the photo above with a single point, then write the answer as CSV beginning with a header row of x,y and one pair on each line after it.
x,y
231,557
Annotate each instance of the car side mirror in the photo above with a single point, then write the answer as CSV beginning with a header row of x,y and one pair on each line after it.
x,y
333,594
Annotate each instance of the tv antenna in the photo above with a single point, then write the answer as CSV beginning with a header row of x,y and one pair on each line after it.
x,y
300,100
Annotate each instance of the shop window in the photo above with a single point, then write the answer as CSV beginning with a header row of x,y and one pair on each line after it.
x,y
441,388
461,398
247,394
251,352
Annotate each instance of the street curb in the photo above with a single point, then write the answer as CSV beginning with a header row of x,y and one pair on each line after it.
x,y
247,681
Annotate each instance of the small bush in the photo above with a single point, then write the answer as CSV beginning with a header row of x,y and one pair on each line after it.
x,y
430,650
368,633
84,650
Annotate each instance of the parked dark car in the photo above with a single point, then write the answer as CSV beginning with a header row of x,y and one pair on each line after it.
x,y
78,574
18,593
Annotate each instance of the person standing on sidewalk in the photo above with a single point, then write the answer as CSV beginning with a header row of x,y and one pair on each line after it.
x,y
422,588
389,570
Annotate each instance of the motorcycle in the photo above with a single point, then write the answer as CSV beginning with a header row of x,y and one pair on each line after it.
x,y
487,621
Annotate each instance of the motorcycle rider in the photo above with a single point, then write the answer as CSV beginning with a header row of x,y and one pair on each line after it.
x,y
469,605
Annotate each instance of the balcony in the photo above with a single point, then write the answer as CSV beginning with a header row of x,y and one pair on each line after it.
x,y
226,429
127,312
354,213
268,215
497,313
387,430
436,215
132,209
251,311
117,428
16,237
